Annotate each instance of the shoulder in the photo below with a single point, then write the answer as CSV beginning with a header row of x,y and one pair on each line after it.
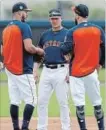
x,y
72,29
102,32
65,29
25,26
94,25
14,25
46,32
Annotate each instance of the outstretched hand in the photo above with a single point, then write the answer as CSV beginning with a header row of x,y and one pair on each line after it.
x,y
40,51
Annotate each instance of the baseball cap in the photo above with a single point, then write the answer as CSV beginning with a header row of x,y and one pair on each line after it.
x,y
20,6
54,13
82,10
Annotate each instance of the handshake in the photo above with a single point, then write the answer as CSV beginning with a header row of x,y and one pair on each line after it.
x,y
39,51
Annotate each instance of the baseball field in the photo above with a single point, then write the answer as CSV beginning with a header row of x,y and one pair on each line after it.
x,y
54,122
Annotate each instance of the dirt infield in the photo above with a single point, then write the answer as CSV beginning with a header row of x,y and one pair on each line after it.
x,y
54,124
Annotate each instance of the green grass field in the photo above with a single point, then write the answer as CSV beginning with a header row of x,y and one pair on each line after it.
x,y
53,105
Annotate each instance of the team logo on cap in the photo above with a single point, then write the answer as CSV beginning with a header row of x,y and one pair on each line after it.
x,y
55,13
21,7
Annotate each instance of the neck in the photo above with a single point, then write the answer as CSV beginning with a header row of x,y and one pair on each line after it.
x,y
16,18
82,20
57,28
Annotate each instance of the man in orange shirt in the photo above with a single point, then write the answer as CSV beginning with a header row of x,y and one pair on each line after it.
x,y
18,53
85,41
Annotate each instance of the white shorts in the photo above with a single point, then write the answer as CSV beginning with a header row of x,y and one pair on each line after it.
x,y
89,84
21,87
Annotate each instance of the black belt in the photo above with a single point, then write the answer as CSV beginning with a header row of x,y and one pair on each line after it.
x,y
54,66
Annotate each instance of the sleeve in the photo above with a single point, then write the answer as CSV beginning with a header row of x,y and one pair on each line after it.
x,y
67,46
37,58
102,49
26,31
40,43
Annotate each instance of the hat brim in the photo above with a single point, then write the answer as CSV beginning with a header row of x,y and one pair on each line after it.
x,y
73,8
28,10
55,16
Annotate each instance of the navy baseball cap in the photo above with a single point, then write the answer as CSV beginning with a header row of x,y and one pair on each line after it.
x,y
20,6
82,10
54,13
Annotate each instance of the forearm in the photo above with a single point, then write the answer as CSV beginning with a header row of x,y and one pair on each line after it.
x,y
32,49
29,47
36,72
35,50
36,66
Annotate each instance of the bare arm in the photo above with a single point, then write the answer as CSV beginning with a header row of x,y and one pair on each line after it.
x,y
35,71
29,47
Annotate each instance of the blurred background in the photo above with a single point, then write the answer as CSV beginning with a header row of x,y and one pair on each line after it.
x,y
38,18
41,7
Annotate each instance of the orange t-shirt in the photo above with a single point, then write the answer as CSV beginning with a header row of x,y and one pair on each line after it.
x,y
84,40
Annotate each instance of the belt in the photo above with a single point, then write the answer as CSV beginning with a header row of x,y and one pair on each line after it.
x,y
54,66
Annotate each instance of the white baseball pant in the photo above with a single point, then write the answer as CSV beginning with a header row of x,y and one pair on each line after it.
x,y
53,79
21,87
89,84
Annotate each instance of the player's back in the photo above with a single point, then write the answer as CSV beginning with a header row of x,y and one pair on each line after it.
x,y
87,39
16,59
12,47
